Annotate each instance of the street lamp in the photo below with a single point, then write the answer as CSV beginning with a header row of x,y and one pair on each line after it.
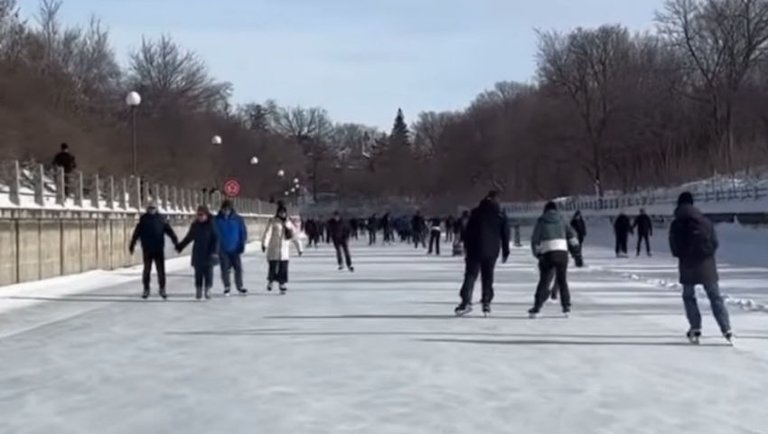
x,y
281,173
216,140
254,161
133,100
296,181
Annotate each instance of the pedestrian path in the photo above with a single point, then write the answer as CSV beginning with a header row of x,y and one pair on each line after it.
x,y
378,351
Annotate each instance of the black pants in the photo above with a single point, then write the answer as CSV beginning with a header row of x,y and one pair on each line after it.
x,y
342,248
203,279
371,237
434,240
278,272
621,243
553,265
643,237
474,267
158,258
418,238
228,262
581,239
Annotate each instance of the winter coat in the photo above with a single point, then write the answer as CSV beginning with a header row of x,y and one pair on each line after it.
x,y
643,224
578,225
277,246
418,224
206,243
694,269
152,230
435,224
66,161
552,234
373,224
487,232
233,235
622,225
339,230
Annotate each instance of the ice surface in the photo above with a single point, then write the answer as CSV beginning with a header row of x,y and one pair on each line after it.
x,y
377,351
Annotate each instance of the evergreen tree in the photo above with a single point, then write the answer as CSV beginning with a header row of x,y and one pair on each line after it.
x,y
400,137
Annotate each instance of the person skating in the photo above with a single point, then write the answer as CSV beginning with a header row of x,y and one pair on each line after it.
x,y
233,235
622,227
693,240
435,235
580,227
486,234
373,227
276,243
551,242
340,233
203,234
353,224
418,229
152,229
644,227
311,227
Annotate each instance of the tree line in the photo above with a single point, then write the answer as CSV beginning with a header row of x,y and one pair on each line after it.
x,y
608,109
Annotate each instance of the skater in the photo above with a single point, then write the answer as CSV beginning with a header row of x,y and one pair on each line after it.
x,y
435,235
449,224
340,233
418,228
551,242
152,230
353,227
386,228
313,232
373,223
202,232
692,239
276,243
621,229
233,235
644,227
580,227
486,234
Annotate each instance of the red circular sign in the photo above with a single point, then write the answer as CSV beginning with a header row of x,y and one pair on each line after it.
x,y
232,188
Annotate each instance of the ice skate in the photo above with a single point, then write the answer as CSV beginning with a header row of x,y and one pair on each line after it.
x,y
163,294
729,337
145,294
486,309
694,336
463,309
226,292
283,289
269,287
341,268
533,314
242,291
351,269
567,312
208,293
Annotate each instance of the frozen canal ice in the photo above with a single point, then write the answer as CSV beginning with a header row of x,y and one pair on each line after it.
x,y
377,351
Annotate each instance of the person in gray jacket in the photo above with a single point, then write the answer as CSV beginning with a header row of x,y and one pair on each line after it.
x,y
551,242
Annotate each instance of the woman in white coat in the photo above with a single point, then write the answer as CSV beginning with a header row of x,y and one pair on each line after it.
x,y
276,242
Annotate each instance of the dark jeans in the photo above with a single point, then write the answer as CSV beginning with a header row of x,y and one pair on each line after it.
x,y
203,279
278,272
229,261
434,240
419,238
553,265
621,243
158,258
715,300
371,237
474,267
647,239
343,248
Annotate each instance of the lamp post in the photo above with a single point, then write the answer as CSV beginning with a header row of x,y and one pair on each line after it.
x,y
254,161
133,100
281,173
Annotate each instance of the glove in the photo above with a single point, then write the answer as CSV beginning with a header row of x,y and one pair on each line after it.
x,y
579,261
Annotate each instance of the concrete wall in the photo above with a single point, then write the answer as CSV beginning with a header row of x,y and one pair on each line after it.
x,y
41,245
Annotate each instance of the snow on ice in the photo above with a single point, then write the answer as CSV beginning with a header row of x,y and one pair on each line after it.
x,y
379,351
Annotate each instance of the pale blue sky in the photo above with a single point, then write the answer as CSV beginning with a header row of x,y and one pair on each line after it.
x,y
360,59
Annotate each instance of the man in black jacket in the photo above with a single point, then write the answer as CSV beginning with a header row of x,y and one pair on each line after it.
x,y
152,230
644,227
418,229
340,233
66,161
486,233
692,239
373,227
622,227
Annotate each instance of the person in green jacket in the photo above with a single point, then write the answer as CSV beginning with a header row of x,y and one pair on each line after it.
x,y
551,242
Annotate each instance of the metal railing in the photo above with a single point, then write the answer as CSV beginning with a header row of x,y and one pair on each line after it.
x,y
33,186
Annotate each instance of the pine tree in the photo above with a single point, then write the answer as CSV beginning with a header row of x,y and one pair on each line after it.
x,y
400,137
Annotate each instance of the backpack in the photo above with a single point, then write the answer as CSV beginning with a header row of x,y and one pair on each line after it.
x,y
693,239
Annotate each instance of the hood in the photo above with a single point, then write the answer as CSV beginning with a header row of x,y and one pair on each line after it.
x,y
551,216
687,211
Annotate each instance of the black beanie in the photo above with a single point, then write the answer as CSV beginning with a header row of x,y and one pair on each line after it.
x,y
550,206
685,198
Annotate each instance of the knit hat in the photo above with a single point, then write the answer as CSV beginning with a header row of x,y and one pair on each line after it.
x,y
550,206
685,198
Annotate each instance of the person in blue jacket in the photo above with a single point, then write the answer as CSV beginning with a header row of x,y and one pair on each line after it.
x,y
233,236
